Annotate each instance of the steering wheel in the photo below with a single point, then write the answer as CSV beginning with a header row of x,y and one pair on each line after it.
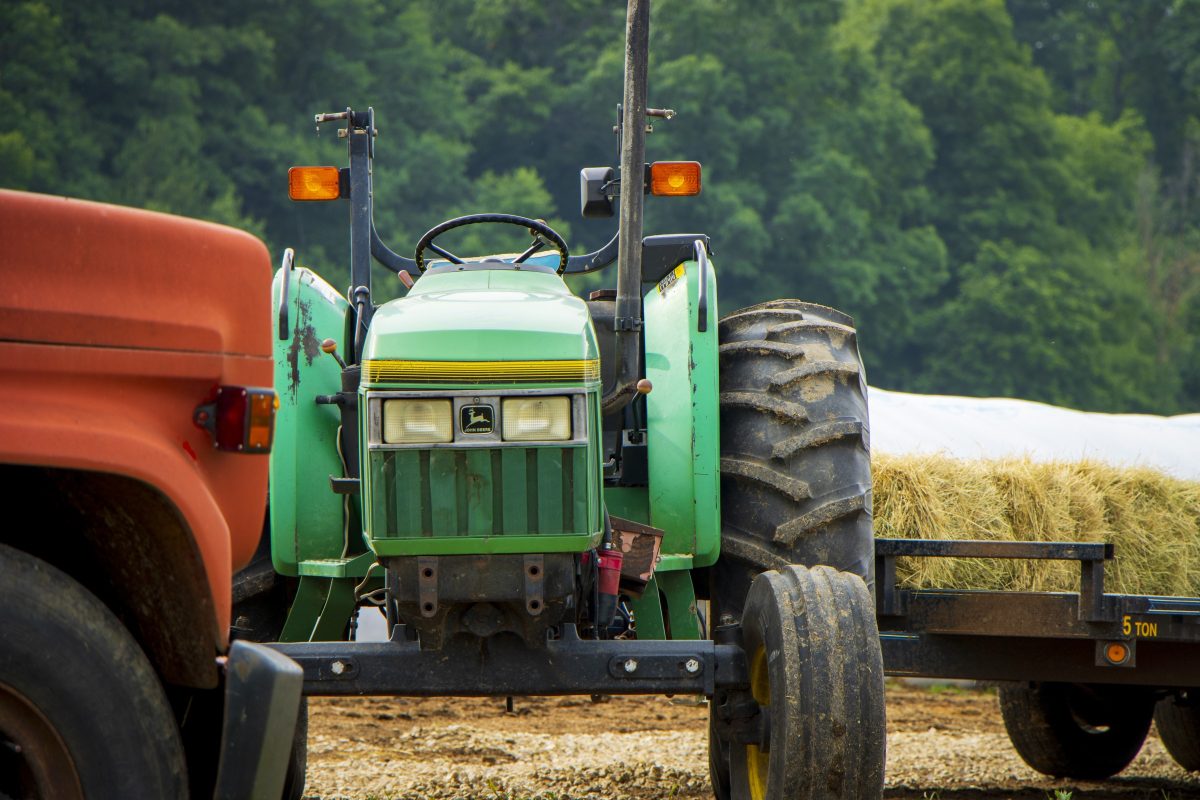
x,y
543,235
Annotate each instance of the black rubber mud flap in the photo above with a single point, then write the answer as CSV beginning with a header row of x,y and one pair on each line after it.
x,y
262,700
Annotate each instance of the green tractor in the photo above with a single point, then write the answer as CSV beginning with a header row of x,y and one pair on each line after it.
x,y
544,494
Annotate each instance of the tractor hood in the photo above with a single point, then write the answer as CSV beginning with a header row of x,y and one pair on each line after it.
x,y
483,315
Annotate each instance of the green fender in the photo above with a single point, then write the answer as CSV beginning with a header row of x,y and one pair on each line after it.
x,y
307,518
683,418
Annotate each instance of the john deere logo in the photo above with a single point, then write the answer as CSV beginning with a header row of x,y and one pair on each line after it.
x,y
477,419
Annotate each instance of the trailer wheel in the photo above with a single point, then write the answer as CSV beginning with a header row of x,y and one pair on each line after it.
x,y
82,713
816,678
1075,730
1178,721
795,450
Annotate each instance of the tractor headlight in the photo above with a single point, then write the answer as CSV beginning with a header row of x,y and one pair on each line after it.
x,y
417,421
536,419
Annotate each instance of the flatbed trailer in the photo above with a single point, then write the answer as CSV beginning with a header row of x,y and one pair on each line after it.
x,y
1081,674
1088,636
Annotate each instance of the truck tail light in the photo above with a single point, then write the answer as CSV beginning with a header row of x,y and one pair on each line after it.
x,y
240,419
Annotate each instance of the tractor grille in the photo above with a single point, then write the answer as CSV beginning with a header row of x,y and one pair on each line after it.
x,y
503,491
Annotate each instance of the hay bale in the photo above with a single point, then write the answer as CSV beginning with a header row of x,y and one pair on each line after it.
x,y
1152,519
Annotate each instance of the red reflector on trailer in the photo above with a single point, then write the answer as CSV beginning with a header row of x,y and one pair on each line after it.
x,y
241,419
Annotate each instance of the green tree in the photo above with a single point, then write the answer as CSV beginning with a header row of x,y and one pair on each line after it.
x,y
934,167
1032,206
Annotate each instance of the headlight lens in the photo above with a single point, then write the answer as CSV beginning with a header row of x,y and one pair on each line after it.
x,y
417,421
536,419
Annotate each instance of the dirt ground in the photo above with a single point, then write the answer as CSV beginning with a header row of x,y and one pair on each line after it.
x,y
944,743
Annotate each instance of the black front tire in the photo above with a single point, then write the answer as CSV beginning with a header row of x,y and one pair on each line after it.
x,y
816,669
1074,730
67,657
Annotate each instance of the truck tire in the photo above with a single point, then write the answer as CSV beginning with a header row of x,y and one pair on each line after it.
x,y
81,709
795,447
816,667
293,784
1178,721
1074,730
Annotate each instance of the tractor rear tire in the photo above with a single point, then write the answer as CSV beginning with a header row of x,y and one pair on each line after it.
x,y
1076,731
1178,721
816,669
82,712
795,447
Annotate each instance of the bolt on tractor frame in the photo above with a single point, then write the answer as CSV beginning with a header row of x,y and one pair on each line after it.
x,y
539,491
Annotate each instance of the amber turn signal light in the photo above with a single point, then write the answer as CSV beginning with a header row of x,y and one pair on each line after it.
x,y
1116,653
314,183
241,419
675,178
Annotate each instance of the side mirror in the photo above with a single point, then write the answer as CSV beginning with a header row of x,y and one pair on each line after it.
x,y
594,186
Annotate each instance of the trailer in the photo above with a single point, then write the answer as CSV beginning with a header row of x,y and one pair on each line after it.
x,y
1082,674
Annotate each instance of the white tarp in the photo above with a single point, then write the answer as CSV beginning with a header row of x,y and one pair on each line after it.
x,y
973,427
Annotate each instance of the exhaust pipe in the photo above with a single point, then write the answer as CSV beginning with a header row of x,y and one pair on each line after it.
x,y
628,321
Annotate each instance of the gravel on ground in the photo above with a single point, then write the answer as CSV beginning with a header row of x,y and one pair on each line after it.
x,y
943,743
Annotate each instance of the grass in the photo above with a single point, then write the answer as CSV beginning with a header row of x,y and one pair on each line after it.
x,y
949,688
1152,519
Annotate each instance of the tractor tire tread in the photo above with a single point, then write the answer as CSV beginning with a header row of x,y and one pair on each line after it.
x,y
786,307
817,435
832,329
784,409
761,347
812,369
789,532
797,490
748,550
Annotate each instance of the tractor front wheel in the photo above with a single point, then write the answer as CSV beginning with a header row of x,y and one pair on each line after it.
x,y
812,724
1074,730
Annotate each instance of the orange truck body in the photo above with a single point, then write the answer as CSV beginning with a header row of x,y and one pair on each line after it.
x,y
115,324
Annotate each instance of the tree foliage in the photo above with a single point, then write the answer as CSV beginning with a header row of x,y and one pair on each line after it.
x,y
1003,193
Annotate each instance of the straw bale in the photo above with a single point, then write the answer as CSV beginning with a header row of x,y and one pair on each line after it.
x,y
1152,519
